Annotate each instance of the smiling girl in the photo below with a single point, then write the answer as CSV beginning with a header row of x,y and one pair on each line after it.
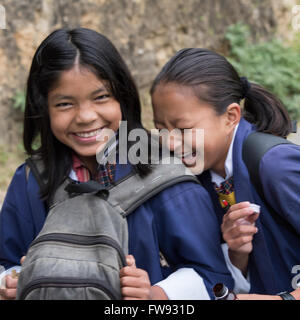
x,y
200,89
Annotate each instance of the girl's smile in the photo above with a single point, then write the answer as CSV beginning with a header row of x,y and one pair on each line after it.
x,y
88,136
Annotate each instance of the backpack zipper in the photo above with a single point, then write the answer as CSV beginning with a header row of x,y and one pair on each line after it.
x,y
63,283
82,240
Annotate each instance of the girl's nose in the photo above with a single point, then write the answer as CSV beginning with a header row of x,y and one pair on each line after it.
x,y
174,140
86,113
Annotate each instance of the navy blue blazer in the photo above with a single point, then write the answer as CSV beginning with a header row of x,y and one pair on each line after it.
x,y
179,221
276,249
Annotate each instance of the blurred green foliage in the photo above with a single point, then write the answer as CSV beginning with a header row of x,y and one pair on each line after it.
x,y
273,64
19,101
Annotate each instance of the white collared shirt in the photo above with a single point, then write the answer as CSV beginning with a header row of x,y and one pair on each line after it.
x,y
216,178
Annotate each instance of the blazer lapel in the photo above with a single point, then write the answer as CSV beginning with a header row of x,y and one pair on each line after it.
x,y
122,170
205,179
261,269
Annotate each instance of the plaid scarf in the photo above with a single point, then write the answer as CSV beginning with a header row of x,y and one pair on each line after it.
x,y
105,174
226,187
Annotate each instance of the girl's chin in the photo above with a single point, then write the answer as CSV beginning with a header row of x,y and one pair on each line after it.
x,y
196,169
85,152
190,160
194,163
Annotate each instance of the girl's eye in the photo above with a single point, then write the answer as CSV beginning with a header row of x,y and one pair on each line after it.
x,y
63,104
182,130
102,97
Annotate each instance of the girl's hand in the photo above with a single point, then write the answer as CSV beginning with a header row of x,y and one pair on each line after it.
x,y
9,292
135,283
238,228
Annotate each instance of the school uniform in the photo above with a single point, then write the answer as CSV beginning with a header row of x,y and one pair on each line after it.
x,y
179,222
276,249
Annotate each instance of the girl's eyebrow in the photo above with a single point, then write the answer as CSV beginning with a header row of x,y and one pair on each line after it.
x,y
59,96
176,121
101,89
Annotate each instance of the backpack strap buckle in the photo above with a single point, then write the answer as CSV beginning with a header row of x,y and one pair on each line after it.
x,y
75,188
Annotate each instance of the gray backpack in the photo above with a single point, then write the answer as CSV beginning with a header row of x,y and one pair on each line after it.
x,y
82,246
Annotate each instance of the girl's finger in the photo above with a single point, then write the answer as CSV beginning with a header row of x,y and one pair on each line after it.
x,y
8,294
132,272
235,244
138,293
230,219
253,217
240,205
11,283
234,215
130,260
240,231
140,282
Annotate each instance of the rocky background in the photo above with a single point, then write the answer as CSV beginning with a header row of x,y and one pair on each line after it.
x,y
147,33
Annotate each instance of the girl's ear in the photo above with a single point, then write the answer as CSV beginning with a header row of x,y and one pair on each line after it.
x,y
233,115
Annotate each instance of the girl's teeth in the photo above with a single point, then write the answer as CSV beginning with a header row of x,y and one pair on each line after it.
x,y
88,134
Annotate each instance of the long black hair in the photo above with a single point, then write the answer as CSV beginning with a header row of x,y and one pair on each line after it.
x,y
214,80
58,53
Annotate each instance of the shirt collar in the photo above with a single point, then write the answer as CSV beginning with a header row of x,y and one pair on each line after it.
x,y
76,162
79,168
216,178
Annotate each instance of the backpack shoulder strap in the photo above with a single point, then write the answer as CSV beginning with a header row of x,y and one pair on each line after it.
x,y
133,190
254,148
36,166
